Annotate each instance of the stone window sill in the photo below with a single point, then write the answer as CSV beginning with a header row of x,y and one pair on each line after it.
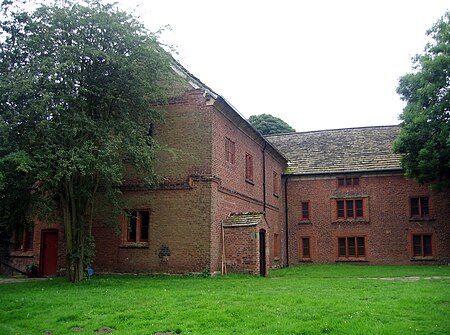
x,y
428,258
305,222
135,245
352,260
421,219
23,254
351,221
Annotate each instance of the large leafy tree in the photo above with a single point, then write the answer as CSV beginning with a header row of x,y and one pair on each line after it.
x,y
77,84
268,124
424,139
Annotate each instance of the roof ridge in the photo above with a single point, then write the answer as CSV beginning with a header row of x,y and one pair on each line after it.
x,y
334,129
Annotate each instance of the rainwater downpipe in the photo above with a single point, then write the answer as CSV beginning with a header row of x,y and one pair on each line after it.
x,y
264,177
286,218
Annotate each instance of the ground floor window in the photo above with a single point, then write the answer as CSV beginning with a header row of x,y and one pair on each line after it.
x,y
422,246
138,225
351,247
305,248
276,246
23,238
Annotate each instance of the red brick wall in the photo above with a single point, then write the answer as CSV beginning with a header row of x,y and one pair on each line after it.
x,y
21,259
387,227
232,193
178,234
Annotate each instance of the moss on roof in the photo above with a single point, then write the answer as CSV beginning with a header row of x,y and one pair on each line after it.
x,y
339,150
243,219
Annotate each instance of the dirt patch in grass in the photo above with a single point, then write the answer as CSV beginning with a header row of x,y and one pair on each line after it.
x,y
409,279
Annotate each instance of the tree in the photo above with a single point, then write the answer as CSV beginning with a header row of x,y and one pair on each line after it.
x,y
424,139
267,124
77,86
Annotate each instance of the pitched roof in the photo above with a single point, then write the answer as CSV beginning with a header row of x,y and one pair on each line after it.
x,y
339,150
243,219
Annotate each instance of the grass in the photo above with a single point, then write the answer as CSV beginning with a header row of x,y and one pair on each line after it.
x,y
328,299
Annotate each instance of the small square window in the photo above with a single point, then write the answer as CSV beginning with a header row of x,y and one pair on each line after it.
x,y
419,207
422,246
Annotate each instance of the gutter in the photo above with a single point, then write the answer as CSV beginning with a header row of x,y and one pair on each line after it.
x,y
342,172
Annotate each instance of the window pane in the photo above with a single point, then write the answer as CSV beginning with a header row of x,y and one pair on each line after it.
x,y
361,250
132,220
355,181
340,208
427,245
348,181
306,247
417,245
341,182
424,206
145,222
359,208
342,248
349,205
414,206
351,246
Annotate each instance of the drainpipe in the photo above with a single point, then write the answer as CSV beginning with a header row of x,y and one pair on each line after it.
x,y
286,218
264,177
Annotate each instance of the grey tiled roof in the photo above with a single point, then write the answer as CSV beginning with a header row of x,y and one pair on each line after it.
x,y
243,219
339,150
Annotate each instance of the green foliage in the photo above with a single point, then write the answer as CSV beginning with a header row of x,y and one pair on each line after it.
x,y
424,139
334,299
77,84
268,124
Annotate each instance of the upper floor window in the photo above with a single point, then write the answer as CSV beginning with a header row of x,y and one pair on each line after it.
x,y
229,150
138,225
350,209
276,184
305,211
351,247
422,246
348,181
248,167
419,207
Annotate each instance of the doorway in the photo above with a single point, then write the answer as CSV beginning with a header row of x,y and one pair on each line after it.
x,y
262,252
49,252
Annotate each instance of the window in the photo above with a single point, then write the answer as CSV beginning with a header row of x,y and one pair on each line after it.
x,y
23,239
248,167
422,246
305,211
419,207
138,226
276,246
350,209
351,247
305,251
348,181
229,151
275,183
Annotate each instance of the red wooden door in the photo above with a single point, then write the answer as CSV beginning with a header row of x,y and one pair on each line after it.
x,y
49,253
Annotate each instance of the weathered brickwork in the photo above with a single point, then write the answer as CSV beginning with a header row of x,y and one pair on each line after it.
x,y
387,226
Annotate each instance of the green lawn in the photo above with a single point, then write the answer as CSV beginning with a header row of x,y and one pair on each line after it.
x,y
337,299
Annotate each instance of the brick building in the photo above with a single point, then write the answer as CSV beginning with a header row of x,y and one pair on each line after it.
x,y
348,201
232,200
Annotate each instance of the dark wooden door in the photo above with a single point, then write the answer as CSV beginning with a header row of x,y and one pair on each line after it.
x,y
262,252
49,253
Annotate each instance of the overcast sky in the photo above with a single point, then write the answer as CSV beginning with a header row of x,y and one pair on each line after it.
x,y
317,64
